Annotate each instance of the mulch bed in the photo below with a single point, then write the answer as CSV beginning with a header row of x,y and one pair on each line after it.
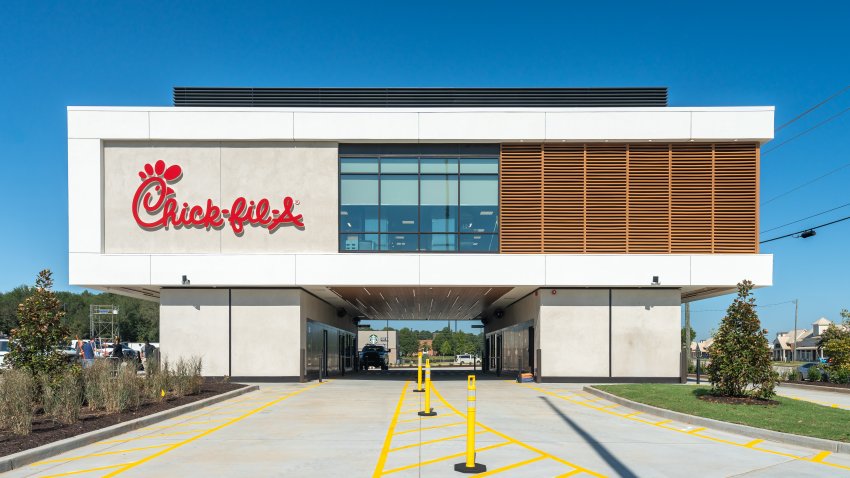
x,y
47,431
818,384
737,400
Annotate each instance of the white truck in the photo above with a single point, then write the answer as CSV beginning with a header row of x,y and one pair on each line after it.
x,y
467,359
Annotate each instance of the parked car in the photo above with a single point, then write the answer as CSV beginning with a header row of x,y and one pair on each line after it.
x,y
803,370
374,356
4,349
467,359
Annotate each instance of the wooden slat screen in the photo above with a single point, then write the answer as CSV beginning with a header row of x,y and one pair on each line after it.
x,y
629,198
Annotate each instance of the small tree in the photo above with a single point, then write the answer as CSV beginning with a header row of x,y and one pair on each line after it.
x,y
836,345
740,357
39,330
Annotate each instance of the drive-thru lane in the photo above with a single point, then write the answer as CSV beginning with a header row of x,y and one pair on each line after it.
x,y
369,427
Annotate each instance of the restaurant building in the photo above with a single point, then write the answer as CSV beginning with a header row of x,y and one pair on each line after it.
x,y
268,222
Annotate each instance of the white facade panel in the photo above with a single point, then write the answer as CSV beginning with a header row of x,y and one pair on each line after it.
x,y
223,125
487,270
194,323
734,125
617,126
489,126
645,333
108,270
108,124
357,269
730,269
356,126
616,270
261,317
84,196
223,270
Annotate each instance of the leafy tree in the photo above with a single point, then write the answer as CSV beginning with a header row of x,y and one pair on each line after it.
x,y
836,345
740,357
407,342
39,330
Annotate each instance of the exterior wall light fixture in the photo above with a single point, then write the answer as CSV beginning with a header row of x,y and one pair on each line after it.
x,y
655,280
186,280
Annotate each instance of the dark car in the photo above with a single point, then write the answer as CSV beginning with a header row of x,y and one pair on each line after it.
x,y
374,356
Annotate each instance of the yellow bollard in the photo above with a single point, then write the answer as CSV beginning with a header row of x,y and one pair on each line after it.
x,y
428,411
419,375
469,466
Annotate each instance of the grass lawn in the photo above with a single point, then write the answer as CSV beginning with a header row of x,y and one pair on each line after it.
x,y
790,416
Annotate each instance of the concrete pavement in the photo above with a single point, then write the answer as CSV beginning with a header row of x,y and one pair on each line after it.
x,y
370,427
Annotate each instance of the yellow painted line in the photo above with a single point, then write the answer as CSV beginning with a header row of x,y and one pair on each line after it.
x,y
570,473
514,440
820,456
662,422
707,437
105,453
633,414
613,405
453,424
146,437
182,424
382,460
411,420
79,472
753,443
512,466
437,440
443,458
696,430
211,430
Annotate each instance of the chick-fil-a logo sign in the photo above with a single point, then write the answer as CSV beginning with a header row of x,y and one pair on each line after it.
x,y
155,206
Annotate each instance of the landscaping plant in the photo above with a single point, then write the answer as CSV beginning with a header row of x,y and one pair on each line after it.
x,y
39,330
814,374
62,395
740,355
17,394
836,345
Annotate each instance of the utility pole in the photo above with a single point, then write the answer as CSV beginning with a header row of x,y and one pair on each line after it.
x,y
687,336
794,343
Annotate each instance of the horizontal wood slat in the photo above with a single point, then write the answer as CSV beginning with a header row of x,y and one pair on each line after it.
x,y
629,198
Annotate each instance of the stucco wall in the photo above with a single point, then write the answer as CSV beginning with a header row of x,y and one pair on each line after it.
x,y
221,172
265,332
194,323
646,333
574,333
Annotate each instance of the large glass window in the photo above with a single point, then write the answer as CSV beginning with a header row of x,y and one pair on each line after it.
x,y
409,198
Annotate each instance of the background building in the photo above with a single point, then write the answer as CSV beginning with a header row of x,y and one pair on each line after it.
x,y
572,222
387,338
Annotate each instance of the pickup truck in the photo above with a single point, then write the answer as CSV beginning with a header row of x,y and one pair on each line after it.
x,y
374,356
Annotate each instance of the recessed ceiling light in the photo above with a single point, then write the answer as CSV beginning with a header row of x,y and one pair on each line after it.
x,y
486,213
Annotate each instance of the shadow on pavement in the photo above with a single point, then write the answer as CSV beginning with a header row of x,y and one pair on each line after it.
x,y
603,452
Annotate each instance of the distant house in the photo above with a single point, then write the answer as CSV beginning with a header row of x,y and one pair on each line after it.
x,y
806,342
426,345
701,348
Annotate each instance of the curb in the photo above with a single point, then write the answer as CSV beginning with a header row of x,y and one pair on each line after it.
x,y
817,388
745,430
23,458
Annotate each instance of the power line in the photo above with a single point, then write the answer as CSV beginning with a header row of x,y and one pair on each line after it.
x,y
774,198
807,217
807,131
808,229
804,113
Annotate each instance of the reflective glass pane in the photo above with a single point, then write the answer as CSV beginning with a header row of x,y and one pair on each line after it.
x,y
358,242
399,242
358,165
358,210
479,243
479,165
399,165
438,190
438,165
479,199
399,203
479,219
358,218
438,242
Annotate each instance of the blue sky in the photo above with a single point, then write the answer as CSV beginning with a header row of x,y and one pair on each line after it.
x,y
786,54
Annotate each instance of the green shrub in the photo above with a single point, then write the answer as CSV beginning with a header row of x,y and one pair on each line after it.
x,y
125,391
62,395
157,380
814,374
96,382
793,375
187,376
839,375
740,355
17,394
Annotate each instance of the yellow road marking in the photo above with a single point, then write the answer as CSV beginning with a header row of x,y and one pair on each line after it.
x,y
181,424
411,420
514,440
379,467
145,437
633,414
662,422
78,472
753,443
443,458
512,466
569,473
696,430
437,440
453,424
105,453
211,430
820,456
719,440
